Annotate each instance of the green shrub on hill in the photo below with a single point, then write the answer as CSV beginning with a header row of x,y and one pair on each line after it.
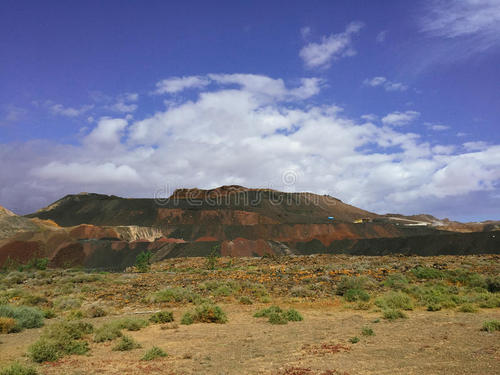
x,y
153,353
60,339
25,317
162,317
18,369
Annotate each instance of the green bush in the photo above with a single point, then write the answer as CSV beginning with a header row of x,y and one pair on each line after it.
x,y
107,332
277,318
67,303
212,259
18,369
126,343
187,319
26,317
434,307
293,315
436,294
111,330
393,314
467,308
491,326
352,282
493,284
34,300
487,300
428,273
244,300
95,312
75,314
153,353
396,281
395,300
176,294
208,313
131,324
60,339
353,295
48,313
162,317
354,340
143,261
367,331
268,311
44,351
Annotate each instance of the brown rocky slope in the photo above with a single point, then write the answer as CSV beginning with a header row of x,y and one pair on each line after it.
x,y
98,230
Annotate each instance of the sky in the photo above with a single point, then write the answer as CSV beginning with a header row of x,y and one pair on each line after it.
x,y
392,106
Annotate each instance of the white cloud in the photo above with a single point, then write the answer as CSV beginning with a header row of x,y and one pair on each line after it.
x,y
124,103
305,32
370,117
108,132
123,107
250,130
446,150
174,85
333,47
436,127
380,38
59,109
257,85
400,118
476,146
477,21
385,83
87,173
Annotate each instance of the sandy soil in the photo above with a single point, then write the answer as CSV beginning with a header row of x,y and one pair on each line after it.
x,y
444,342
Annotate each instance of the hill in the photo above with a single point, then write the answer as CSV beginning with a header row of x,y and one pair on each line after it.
x,y
107,231
224,205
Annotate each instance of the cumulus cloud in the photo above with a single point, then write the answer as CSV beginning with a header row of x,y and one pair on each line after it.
x,y
252,130
400,118
330,48
125,103
385,83
475,21
476,146
107,132
174,85
59,109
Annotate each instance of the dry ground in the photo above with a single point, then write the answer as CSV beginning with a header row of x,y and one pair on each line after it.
x,y
438,342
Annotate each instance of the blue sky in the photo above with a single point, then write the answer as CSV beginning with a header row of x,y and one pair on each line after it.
x,y
391,106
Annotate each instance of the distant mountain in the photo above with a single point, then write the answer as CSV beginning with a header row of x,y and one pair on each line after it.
x,y
107,231
225,205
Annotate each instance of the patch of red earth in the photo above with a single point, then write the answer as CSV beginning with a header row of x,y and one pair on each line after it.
x,y
69,254
118,245
20,251
206,239
177,216
87,231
